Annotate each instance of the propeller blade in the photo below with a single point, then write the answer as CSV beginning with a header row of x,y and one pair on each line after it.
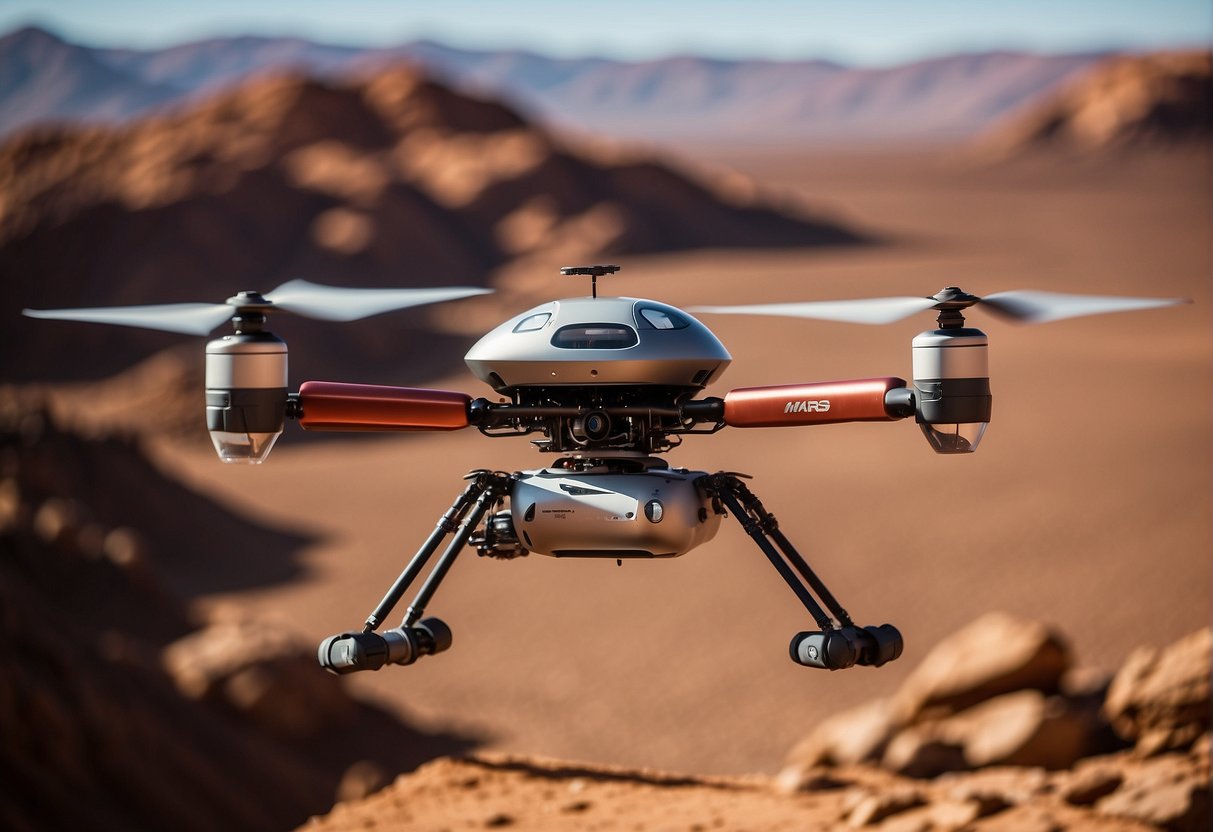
x,y
334,303
1041,307
188,318
864,311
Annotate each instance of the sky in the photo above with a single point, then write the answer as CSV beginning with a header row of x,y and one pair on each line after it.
x,y
871,32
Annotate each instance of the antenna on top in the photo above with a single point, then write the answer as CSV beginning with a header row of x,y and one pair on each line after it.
x,y
594,272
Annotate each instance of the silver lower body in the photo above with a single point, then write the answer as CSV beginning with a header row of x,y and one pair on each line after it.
x,y
658,513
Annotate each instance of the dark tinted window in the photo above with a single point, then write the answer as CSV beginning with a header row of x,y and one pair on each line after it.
x,y
595,337
650,317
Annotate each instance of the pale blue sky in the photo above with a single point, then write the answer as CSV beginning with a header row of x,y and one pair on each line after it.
x,y
854,31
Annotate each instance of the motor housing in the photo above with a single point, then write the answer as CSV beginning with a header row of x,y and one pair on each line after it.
x,y
952,388
246,394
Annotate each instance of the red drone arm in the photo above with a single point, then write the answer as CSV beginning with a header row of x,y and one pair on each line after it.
x,y
820,403
330,405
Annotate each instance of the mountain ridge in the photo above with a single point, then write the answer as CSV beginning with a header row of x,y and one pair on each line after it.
x,y
680,96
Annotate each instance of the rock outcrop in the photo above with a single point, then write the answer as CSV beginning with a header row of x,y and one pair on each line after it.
x,y
1160,698
1162,99
996,719
117,710
991,694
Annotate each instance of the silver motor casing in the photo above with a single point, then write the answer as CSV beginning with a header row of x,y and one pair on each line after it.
x,y
246,394
649,514
952,387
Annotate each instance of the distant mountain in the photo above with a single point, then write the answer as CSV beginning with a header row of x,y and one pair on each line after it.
x,y
1159,99
43,78
395,180
678,97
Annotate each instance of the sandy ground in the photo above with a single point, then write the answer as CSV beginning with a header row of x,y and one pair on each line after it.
x,y
490,791
1088,504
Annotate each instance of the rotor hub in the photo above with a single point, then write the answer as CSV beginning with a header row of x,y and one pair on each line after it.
x,y
949,302
249,300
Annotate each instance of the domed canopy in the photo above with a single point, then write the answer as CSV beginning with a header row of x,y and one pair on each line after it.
x,y
599,341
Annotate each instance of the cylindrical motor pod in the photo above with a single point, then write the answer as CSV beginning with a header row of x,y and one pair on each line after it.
x,y
245,395
952,388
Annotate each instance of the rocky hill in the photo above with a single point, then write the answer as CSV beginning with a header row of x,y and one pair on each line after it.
x,y
394,181
1164,99
994,730
123,710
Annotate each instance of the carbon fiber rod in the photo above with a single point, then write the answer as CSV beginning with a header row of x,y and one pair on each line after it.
x,y
417,607
447,524
770,526
753,528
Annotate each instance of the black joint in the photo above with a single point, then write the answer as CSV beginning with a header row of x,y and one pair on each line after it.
x,y
294,407
479,410
899,402
882,645
436,635
703,410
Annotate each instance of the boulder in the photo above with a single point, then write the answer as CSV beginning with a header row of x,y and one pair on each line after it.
x,y
874,808
1160,699
1024,728
852,736
1087,785
1170,791
258,670
995,789
924,751
996,654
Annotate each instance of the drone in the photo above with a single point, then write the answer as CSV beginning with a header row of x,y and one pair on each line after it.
x,y
605,385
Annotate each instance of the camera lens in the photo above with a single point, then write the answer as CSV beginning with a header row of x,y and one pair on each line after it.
x,y
592,427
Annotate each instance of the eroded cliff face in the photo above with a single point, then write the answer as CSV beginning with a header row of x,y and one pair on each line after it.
x,y
122,709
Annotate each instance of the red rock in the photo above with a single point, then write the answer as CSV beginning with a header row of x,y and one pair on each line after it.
x,y
996,654
1171,791
874,808
851,736
1090,784
1023,729
1161,698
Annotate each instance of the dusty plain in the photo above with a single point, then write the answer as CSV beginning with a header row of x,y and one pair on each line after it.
x,y
1087,506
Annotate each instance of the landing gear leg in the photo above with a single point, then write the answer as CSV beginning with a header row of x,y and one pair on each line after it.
x,y
839,643
367,650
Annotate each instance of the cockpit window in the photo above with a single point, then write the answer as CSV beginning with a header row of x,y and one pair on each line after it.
x,y
650,317
533,322
595,337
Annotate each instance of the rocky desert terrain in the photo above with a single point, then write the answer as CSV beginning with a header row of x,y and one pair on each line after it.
x,y
998,738
160,610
